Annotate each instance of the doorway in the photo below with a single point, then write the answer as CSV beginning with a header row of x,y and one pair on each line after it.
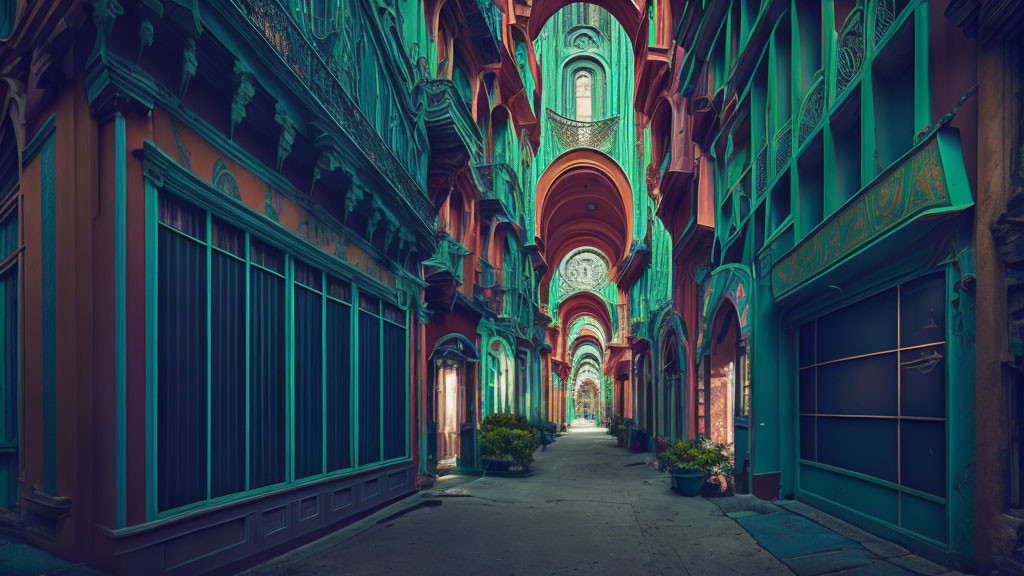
x,y
726,392
451,405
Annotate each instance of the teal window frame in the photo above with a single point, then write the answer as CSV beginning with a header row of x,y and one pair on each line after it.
x,y
399,317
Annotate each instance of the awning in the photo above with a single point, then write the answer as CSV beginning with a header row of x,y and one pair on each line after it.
x,y
892,219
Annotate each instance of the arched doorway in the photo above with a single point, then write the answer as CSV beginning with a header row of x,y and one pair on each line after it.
x,y
644,393
672,374
501,380
726,390
451,404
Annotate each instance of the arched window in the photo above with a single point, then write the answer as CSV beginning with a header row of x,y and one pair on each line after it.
x,y
584,103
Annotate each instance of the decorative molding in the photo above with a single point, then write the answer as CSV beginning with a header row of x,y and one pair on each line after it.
x,y
224,180
189,64
916,185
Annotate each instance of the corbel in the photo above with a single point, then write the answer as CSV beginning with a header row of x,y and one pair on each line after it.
x,y
104,16
375,218
287,138
389,234
14,76
408,244
244,92
329,157
353,197
151,10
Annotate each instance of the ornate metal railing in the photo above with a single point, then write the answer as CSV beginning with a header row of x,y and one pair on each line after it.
x,y
885,15
761,172
279,29
599,135
500,182
850,49
447,259
448,118
813,107
783,147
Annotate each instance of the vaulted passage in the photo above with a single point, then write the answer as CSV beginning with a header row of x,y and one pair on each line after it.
x,y
525,269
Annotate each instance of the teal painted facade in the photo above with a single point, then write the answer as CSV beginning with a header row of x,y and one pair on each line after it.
x,y
266,265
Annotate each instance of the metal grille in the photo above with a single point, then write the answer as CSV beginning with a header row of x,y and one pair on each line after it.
x,y
575,134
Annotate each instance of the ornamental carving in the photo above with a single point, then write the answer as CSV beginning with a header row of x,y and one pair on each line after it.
x,y
599,135
310,66
850,50
585,269
915,186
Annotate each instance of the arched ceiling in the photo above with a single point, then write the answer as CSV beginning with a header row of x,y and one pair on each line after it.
x,y
583,199
585,304
628,13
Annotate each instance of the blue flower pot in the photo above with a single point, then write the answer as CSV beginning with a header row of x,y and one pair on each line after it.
x,y
687,482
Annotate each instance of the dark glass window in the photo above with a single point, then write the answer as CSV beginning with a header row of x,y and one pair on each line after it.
x,y
872,386
339,390
309,379
267,380
228,320
227,372
181,393
369,388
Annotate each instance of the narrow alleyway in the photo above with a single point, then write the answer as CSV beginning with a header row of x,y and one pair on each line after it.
x,y
587,508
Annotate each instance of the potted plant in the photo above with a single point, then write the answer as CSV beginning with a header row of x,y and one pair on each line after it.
x,y
691,462
638,440
620,427
507,443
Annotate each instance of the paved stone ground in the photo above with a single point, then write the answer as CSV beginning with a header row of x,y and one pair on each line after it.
x,y
586,508
590,508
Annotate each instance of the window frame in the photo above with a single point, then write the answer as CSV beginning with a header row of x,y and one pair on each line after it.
x,y
211,205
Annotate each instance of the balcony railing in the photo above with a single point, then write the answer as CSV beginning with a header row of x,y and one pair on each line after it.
x,y
450,124
445,265
320,76
571,134
484,20
501,189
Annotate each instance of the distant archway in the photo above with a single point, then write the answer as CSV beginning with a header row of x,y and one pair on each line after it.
x,y
583,198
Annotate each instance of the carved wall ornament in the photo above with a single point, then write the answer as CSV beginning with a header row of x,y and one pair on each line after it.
x,y
288,131
584,269
104,15
151,10
189,65
225,181
244,92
